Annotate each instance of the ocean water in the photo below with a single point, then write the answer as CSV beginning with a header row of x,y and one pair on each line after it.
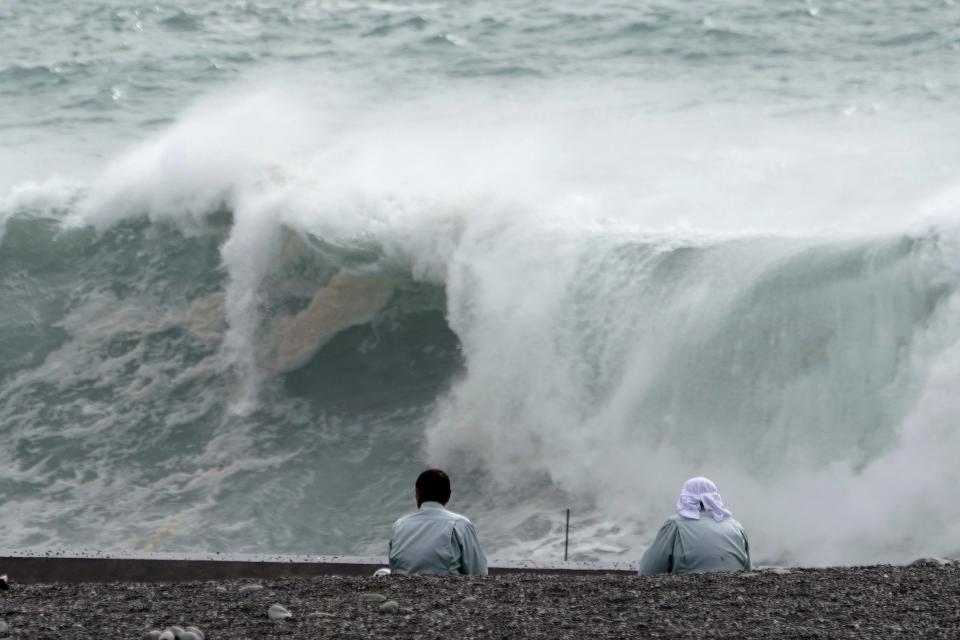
x,y
263,262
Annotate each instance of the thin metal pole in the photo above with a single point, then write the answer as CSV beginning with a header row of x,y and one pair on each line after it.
x,y
566,539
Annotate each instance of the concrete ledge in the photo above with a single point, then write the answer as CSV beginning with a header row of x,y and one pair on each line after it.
x,y
86,566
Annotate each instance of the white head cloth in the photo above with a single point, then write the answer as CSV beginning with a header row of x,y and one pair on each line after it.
x,y
697,490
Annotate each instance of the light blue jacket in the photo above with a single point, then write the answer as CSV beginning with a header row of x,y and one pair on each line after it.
x,y
684,545
435,541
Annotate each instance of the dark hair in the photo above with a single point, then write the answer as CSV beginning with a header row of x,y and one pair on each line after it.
x,y
434,486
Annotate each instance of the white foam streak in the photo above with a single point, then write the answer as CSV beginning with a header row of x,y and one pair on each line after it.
x,y
247,255
223,146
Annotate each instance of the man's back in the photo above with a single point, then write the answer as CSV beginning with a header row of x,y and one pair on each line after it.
x,y
435,541
684,545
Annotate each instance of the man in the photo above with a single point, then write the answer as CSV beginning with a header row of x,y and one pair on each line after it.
x,y
433,540
702,536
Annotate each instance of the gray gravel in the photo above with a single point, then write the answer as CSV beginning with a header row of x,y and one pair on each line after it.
x,y
871,602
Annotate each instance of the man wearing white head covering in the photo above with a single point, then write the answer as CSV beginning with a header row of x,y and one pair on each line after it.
x,y
702,536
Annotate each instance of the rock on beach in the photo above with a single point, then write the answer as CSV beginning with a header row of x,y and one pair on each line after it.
x,y
278,612
390,606
373,597
195,631
250,589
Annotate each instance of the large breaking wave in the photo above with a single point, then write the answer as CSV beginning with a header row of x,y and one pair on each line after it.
x,y
254,329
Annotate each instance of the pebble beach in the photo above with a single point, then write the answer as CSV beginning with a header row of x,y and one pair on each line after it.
x,y
885,601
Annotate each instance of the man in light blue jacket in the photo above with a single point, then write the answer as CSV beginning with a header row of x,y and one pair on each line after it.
x,y
702,536
433,540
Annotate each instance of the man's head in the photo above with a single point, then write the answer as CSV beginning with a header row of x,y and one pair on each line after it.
x,y
433,485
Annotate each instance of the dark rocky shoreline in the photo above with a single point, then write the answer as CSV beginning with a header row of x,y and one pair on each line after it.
x,y
921,601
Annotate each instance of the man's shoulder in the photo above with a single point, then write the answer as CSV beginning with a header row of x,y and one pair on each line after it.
x,y
433,514
402,519
675,521
735,523
450,516
458,517
669,526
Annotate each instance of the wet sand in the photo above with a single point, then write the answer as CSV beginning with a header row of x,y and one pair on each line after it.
x,y
866,602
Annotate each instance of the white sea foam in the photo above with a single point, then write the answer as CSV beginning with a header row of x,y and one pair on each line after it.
x,y
50,197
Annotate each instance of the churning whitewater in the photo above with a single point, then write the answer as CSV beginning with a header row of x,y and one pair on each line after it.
x,y
240,310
